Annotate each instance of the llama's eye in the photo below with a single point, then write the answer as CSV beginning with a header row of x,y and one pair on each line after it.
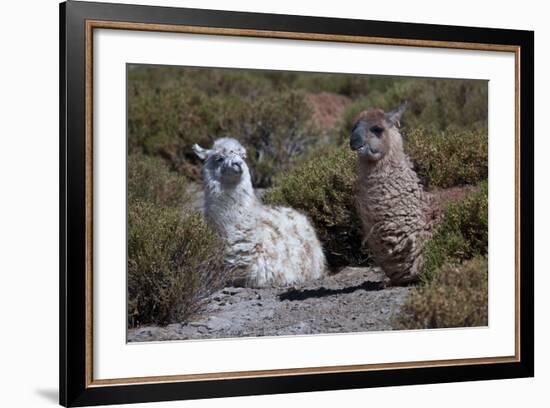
x,y
377,130
219,159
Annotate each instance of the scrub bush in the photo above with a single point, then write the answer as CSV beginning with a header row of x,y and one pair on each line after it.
x,y
168,114
174,262
322,187
450,157
150,180
462,235
457,297
437,103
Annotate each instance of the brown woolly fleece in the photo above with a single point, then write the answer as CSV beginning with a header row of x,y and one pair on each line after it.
x,y
395,211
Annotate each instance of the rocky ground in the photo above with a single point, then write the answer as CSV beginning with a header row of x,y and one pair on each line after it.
x,y
354,300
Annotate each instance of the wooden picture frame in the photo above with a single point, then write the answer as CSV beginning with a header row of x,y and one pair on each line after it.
x,y
78,20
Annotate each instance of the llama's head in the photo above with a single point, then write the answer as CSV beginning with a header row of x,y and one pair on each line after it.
x,y
224,162
375,133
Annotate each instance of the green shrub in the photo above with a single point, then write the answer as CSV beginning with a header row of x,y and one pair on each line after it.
x,y
166,119
457,297
276,131
435,103
150,180
462,235
211,81
448,158
174,259
168,113
174,262
352,85
322,187
170,108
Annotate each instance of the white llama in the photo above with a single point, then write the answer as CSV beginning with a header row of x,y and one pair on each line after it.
x,y
267,246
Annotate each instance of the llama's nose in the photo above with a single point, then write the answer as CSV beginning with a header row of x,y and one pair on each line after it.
x,y
237,166
356,141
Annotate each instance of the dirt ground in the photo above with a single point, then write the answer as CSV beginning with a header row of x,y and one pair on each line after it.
x,y
354,300
327,107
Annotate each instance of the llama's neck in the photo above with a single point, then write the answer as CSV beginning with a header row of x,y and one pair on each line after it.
x,y
232,205
392,175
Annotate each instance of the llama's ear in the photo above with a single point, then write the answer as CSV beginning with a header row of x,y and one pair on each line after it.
x,y
394,116
200,151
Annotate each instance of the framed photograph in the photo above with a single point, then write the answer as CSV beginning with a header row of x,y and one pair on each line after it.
x,y
257,204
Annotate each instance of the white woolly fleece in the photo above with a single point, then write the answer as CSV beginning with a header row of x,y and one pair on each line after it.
x,y
266,245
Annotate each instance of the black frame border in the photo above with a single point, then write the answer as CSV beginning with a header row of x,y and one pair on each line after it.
x,y
73,390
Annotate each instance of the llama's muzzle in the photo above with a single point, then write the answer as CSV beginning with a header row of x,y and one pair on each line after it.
x,y
237,167
356,141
